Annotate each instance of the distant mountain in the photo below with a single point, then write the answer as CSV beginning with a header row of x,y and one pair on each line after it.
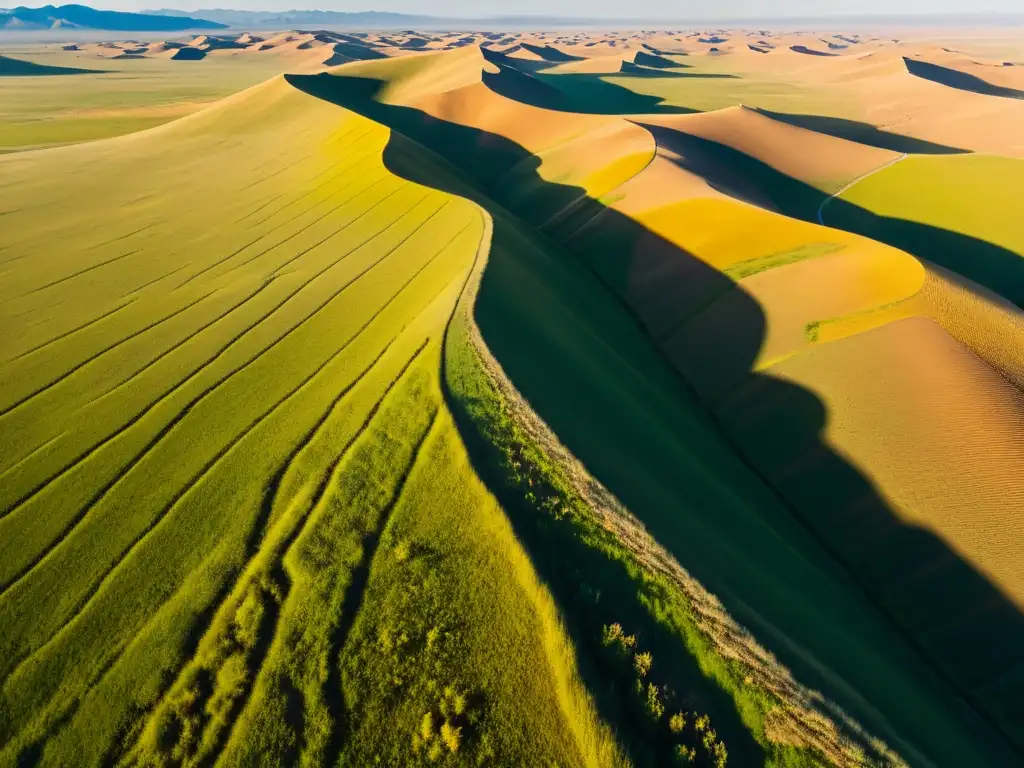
x,y
298,18
83,17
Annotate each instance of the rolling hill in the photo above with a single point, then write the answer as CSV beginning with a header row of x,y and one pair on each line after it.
x,y
411,412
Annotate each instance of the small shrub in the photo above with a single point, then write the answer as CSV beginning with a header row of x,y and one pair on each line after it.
x,y
612,633
435,752
451,735
677,722
709,739
702,722
248,618
459,704
642,663
427,727
654,704
721,755
684,755
614,637
433,634
402,551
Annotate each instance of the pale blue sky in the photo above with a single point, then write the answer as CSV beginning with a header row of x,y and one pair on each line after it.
x,y
675,9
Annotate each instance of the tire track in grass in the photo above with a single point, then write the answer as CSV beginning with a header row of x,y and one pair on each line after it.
x,y
282,577
77,367
73,275
55,718
16,405
223,350
305,156
372,153
70,332
206,470
352,603
119,238
158,279
251,243
388,196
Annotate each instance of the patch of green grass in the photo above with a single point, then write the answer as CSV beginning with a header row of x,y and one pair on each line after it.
x,y
741,269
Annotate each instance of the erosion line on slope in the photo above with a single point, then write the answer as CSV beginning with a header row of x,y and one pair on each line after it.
x,y
317,220
73,275
237,251
208,468
264,285
70,332
347,166
234,340
19,403
359,158
158,279
352,603
121,237
287,578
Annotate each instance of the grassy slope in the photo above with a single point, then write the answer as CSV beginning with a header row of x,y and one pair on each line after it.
x,y
125,96
971,196
223,437
417,576
572,354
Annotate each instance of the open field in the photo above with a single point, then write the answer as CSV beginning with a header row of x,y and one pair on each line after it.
x,y
505,399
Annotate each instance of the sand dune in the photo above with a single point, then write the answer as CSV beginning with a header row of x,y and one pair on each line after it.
x,y
822,161
954,78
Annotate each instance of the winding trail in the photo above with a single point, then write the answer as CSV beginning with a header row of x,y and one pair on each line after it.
x,y
821,208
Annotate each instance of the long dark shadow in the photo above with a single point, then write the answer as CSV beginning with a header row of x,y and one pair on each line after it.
x,y
741,176
573,92
962,81
804,524
864,133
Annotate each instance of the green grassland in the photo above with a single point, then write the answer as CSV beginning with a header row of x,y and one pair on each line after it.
x,y
122,96
968,204
237,515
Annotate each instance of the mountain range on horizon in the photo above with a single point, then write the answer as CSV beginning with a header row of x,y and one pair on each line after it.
x,y
84,17
75,16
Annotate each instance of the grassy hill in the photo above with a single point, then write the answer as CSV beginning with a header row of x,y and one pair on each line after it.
x,y
385,416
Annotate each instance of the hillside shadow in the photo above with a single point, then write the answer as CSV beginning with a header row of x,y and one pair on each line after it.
x,y
583,93
636,70
863,133
550,54
962,81
810,51
946,615
657,61
741,176
19,68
